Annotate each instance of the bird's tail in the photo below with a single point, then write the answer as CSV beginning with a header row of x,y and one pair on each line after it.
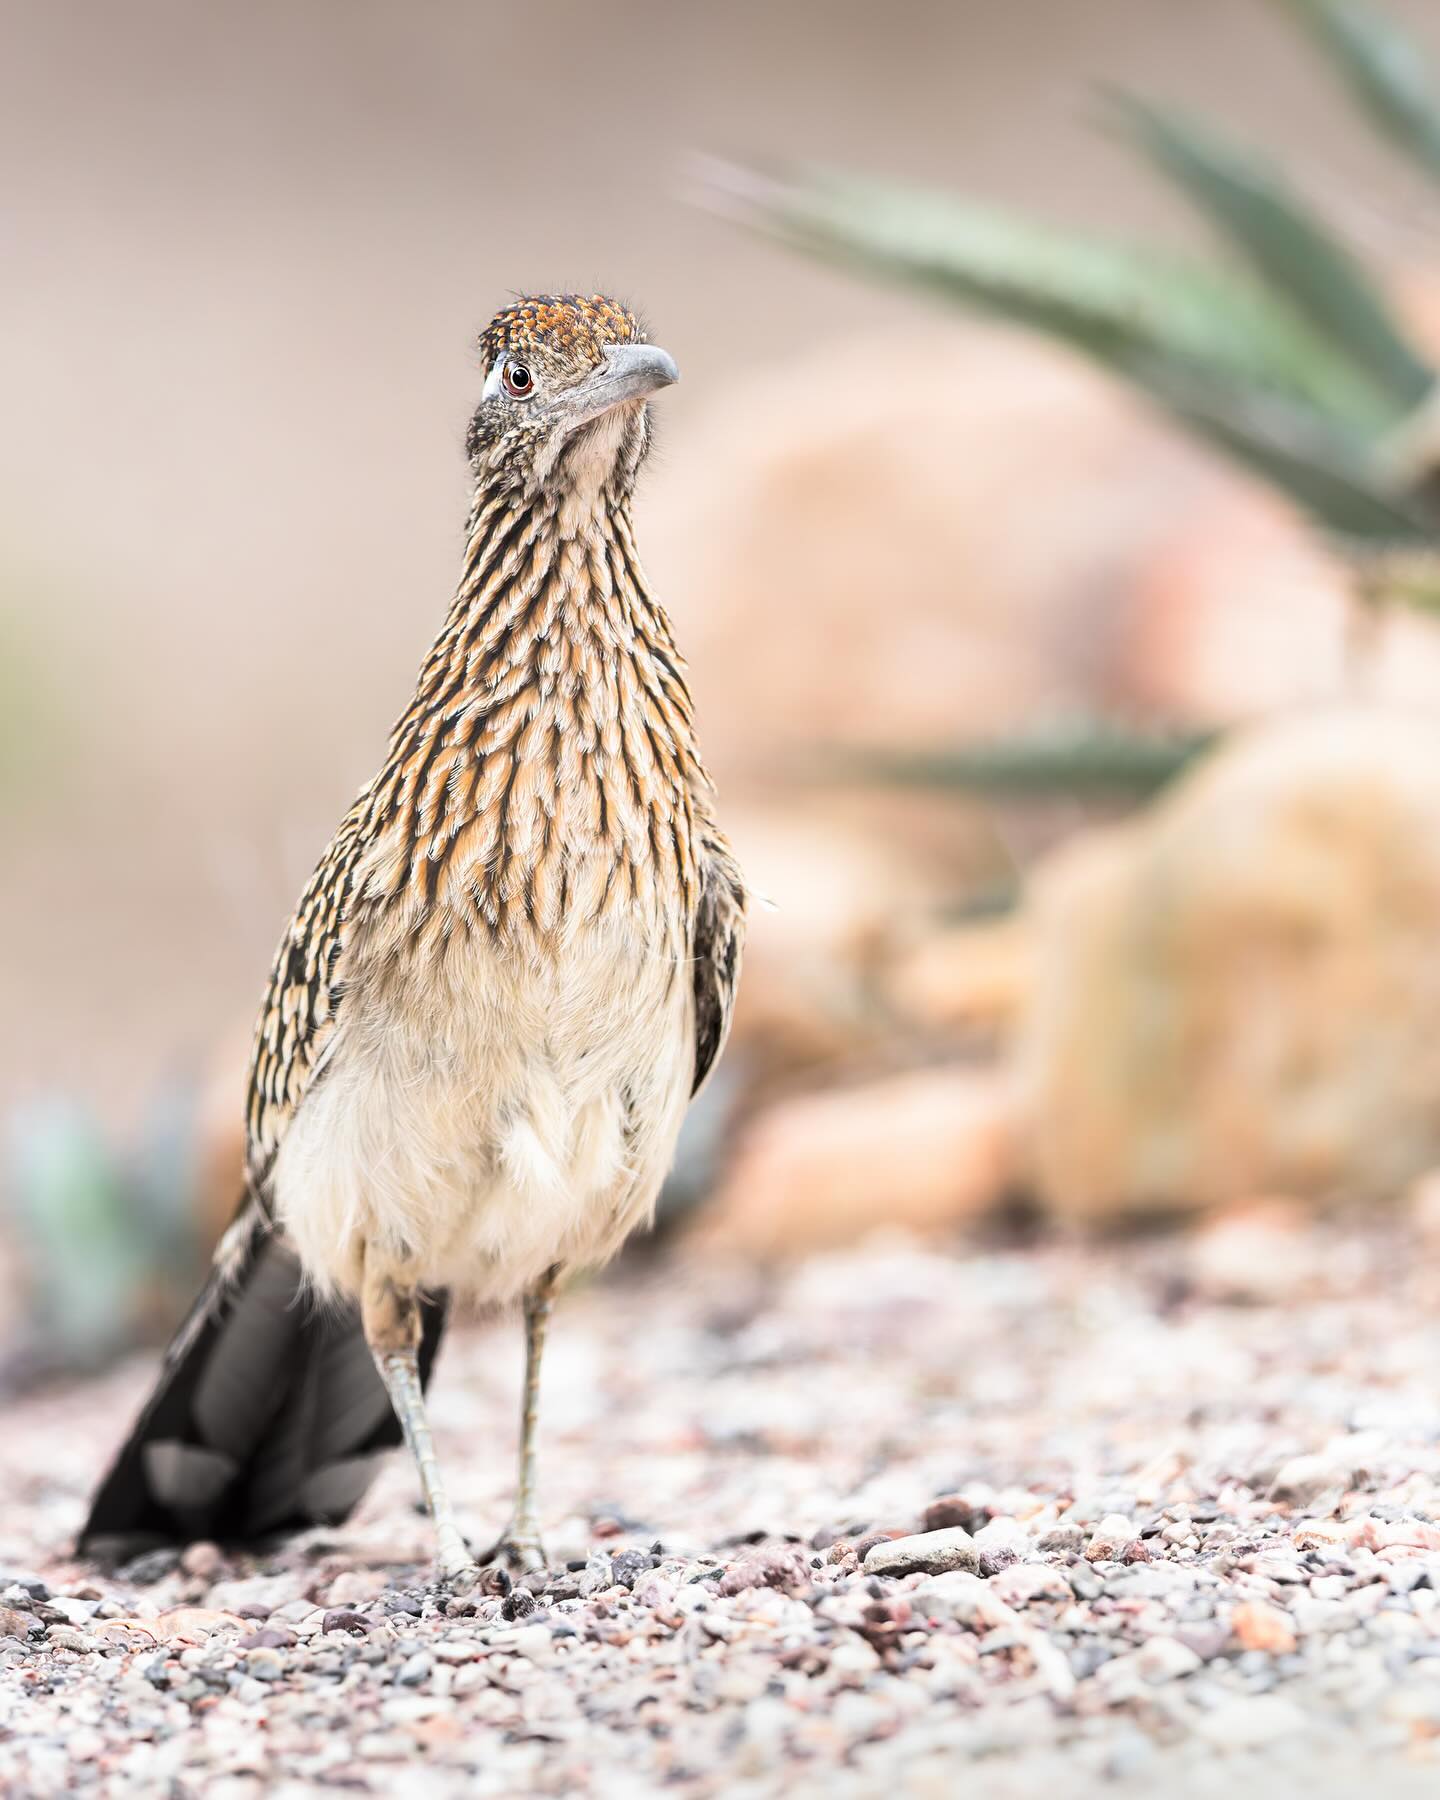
x,y
269,1414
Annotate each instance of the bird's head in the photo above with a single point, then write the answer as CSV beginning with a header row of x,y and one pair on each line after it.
x,y
566,381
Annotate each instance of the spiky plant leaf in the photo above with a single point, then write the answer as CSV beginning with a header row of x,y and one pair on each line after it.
x,y
1232,362
1384,69
67,1217
1121,303
1397,575
1090,758
1330,477
1250,202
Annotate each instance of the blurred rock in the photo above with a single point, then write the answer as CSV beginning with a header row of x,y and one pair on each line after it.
x,y
1237,995
824,899
863,533
1258,1252
925,1151
1235,611
995,532
933,1552
1423,1201
970,980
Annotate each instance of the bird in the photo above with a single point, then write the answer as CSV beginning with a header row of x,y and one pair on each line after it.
x,y
512,968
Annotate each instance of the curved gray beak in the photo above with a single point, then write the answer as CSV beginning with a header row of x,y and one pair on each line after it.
x,y
629,372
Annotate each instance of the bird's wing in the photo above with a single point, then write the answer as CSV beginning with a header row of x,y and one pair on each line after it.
x,y
719,940
302,1003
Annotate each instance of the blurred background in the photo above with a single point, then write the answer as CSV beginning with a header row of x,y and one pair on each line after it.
x,y
1048,513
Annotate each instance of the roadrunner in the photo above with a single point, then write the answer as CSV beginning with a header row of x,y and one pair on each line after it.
x,y
513,966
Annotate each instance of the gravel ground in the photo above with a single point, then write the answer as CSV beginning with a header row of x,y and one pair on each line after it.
x,y
1176,1505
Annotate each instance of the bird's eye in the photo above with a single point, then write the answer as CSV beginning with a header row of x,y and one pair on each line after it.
x,y
518,380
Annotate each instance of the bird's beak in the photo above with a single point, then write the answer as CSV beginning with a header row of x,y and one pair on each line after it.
x,y
629,372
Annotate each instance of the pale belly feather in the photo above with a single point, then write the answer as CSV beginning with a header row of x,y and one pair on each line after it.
x,y
503,1110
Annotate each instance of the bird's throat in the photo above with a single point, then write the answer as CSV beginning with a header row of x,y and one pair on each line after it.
x,y
545,770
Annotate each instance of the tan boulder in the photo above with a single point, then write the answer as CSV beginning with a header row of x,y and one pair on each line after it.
x,y
827,901
849,569
991,533
969,981
1260,1252
924,1151
1240,993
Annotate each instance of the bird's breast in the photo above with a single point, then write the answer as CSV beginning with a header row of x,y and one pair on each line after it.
x,y
560,803
489,1112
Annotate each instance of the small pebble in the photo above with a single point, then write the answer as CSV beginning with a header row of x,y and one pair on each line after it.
x,y
932,1552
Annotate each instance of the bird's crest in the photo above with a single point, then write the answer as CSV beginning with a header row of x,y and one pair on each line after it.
x,y
567,328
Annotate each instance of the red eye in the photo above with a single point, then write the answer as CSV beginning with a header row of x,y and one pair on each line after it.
x,y
518,380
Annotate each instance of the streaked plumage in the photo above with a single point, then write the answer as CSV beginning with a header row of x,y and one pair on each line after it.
x,y
516,959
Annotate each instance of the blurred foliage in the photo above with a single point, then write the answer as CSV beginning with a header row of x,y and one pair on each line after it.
x,y
1090,758
99,1240
1384,71
1287,356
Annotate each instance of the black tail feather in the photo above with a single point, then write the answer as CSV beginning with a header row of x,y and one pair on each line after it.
x,y
269,1415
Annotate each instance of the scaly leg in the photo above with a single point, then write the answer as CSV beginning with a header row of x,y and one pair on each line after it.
x,y
390,1313
520,1542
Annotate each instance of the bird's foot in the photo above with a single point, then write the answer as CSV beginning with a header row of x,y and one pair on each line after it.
x,y
456,1570
458,1576
518,1550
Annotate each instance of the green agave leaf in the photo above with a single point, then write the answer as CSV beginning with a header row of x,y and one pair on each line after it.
x,y
1250,202
1218,352
1086,757
1398,575
1125,305
67,1214
1327,475
1383,68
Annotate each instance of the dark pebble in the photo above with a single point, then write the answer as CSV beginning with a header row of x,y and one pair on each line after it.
x,y
251,1610
1086,1658
951,1510
410,1605
1209,1640
519,1603
993,1561
340,1618
32,1584
153,1566
272,1637
627,1568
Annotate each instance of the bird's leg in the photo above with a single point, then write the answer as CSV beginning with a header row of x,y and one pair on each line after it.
x,y
390,1312
520,1542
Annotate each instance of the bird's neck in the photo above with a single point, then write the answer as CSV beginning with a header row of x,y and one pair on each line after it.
x,y
547,765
